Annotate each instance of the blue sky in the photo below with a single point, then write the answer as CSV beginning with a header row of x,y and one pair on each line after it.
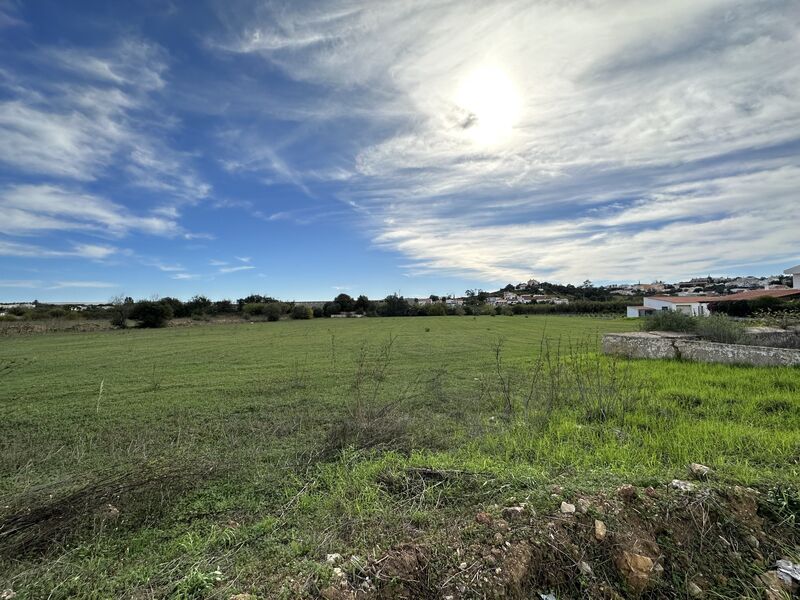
x,y
301,149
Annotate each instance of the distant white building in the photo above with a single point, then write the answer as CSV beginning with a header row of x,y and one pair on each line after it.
x,y
697,306
795,273
639,311
694,306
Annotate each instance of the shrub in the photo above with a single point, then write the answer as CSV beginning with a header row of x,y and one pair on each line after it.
x,y
331,308
788,317
436,309
749,308
394,306
120,311
37,315
151,314
273,311
301,312
488,309
373,419
719,328
668,320
253,309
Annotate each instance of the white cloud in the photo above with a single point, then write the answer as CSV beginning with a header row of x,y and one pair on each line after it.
x,y
92,111
168,268
9,16
82,284
88,251
30,209
235,269
92,251
19,283
653,139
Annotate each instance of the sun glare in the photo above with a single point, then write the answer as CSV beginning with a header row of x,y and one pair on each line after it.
x,y
491,103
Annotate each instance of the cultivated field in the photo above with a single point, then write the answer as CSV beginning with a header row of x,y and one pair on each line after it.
x,y
205,461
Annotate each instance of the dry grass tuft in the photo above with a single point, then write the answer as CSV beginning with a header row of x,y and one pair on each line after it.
x,y
47,516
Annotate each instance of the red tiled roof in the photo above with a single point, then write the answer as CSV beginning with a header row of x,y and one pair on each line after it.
x,y
753,294
748,295
686,299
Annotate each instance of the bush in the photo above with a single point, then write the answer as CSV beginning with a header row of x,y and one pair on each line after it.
x,y
120,311
331,308
151,314
719,328
253,309
749,308
436,309
301,312
488,309
36,315
273,311
394,306
668,320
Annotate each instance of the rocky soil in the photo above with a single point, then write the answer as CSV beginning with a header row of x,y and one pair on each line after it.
x,y
684,539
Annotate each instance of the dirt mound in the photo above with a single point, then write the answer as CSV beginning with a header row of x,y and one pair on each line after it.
x,y
667,542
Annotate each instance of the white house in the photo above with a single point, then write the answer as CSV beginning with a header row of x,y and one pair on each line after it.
x,y
795,273
690,305
698,305
639,311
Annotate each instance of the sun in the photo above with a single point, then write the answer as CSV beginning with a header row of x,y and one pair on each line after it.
x,y
491,104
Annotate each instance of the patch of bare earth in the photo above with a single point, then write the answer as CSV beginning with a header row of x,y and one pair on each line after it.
x,y
672,541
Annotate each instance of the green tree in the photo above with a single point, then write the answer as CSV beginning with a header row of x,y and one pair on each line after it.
x,y
437,309
273,310
395,306
119,311
331,308
301,312
151,314
346,303
363,304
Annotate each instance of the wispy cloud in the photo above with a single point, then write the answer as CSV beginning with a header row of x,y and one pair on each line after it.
x,y
168,268
92,112
20,283
28,209
224,270
59,285
88,251
9,16
654,140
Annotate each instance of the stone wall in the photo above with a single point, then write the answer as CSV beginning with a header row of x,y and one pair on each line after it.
x,y
666,345
773,336
737,354
642,344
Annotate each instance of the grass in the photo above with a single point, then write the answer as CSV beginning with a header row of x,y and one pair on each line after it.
x,y
238,455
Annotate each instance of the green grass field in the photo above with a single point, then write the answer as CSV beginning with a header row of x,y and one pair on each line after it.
x,y
256,449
